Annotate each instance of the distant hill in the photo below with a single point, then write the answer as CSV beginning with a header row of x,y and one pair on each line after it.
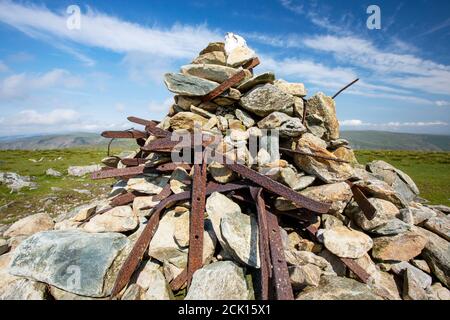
x,y
58,141
381,140
369,140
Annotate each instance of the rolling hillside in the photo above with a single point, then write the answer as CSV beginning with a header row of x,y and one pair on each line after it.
x,y
365,140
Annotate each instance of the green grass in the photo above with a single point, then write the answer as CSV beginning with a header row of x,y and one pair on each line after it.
x,y
27,201
429,170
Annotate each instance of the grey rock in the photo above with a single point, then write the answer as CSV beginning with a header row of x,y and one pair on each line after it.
x,y
337,265
246,119
441,208
240,232
148,184
306,275
24,289
188,85
16,182
385,211
421,213
391,228
324,107
267,77
402,247
295,89
338,288
437,254
133,292
440,226
221,280
74,261
423,279
212,72
396,178
79,171
287,126
422,265
30,225
346,243
53,173
118,219
262,100
159,288
326,170
412,289
213,57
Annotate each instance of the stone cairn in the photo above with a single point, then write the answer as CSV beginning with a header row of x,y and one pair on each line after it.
x,y
311,224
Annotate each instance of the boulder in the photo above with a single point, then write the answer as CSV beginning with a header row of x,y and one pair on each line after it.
x,y
262,100
287,126
188,85
213,57
222,280
118,219
295,89
324,107
326,170
338,194
402,247
346,243
385,211
338,288
440,226
16,182
267,77
213,72
79,171
148,184
30,225
186,120
53,173
73,261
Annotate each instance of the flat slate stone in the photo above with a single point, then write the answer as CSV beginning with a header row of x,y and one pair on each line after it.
x,y
73,261
188,85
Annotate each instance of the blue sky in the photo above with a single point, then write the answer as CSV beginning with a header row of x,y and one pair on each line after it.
x,y
53,79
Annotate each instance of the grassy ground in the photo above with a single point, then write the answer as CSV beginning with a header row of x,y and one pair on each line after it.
x,y
430,171
43,198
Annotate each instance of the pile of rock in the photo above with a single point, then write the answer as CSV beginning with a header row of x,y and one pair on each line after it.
x,y
403,251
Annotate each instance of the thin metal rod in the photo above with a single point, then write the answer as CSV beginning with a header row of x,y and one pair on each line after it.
x,y
344,88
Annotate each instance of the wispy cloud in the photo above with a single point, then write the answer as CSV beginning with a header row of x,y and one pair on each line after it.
x,y
108,32
3,67
23,84
392,124
404,70
442,25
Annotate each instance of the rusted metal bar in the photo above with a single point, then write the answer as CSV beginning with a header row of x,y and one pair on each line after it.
x,y
165,192
122,199
251,64
128,134
141,245
133,162
139,121
279,189
313,155
177,283
344,88
304,111
281,280
196,220
264,250
123,172
356,269
227,84
364,204
171,166
167,144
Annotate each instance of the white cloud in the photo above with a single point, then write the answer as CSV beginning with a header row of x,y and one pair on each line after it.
x,y
442,103
54,117
392,124
3,67
22,84
404,70
353,122
108,32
